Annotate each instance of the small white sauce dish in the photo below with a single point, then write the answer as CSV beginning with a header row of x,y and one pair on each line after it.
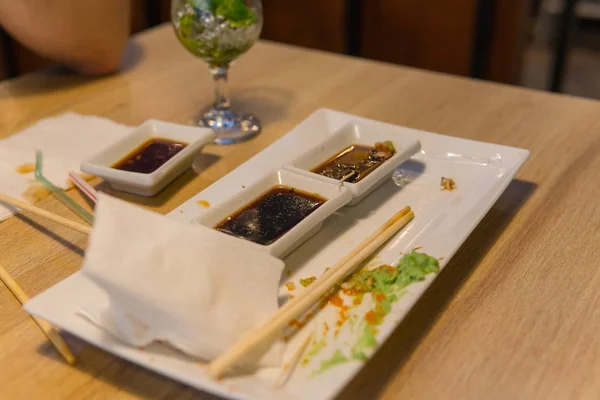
x,y
152,183
354,133
336,195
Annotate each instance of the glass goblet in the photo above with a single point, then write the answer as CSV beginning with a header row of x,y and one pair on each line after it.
x,y
219,31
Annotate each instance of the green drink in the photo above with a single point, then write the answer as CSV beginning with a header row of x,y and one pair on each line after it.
x,y
219,31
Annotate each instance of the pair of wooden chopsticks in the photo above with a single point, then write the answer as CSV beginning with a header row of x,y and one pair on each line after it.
x,y
45,214
50,332
310,295
280,319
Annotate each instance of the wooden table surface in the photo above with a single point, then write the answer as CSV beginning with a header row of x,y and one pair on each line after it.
x,y
514,315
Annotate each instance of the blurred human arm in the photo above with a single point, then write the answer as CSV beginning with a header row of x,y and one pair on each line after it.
x,y
87,35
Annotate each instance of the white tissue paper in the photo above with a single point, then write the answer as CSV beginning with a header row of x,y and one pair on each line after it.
x,y
194,288
65,141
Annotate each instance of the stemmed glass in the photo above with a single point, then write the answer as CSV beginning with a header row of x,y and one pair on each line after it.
x,y
219,31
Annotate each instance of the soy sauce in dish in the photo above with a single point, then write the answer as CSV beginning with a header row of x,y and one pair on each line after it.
x,y
356,161
271,215
150,155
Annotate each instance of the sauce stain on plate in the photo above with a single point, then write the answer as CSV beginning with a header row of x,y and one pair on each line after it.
x,y
203,203
25,168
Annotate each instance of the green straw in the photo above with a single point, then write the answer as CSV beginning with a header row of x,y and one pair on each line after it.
x,y
58,193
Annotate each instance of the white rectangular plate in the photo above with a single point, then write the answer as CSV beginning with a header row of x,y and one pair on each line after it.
x,y
442,223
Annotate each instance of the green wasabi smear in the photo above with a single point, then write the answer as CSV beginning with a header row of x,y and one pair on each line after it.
x,y
313,350
365,341
414,267
386,285
386,279
337,359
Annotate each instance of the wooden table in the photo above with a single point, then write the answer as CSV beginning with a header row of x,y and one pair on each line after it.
x,y
516,313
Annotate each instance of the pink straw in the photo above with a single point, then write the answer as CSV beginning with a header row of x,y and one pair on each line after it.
x,y
83,186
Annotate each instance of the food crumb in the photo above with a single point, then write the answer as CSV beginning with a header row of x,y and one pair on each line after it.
x,y
35,193
306,282
418,248
441,258
180,211
25,168
290,286
447,184
243,187
203,203
288,272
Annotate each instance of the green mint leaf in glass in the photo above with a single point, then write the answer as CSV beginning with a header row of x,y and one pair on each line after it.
x,y
235,12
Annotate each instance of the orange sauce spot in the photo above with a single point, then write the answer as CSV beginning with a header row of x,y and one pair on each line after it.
x,y
380,297
35,193
357,301
337,301
370,317
25,168
296,323
290,286
203,203
326,329
351,292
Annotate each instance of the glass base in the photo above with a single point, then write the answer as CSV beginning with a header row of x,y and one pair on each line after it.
x,y
231,127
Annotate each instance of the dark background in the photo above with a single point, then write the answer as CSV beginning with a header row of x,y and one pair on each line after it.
x,y
509,41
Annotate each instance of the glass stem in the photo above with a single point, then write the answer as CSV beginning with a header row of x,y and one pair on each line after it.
x,y
219,74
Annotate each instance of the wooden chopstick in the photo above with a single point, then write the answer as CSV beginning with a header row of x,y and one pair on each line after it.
x,y
291,365
45,214
50,332
313,293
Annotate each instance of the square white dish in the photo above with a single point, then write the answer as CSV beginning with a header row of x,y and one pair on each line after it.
x,y
149,184
336,196
356,132
443,221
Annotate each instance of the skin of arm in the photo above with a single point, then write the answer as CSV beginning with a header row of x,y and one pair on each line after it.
x,y
86,35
